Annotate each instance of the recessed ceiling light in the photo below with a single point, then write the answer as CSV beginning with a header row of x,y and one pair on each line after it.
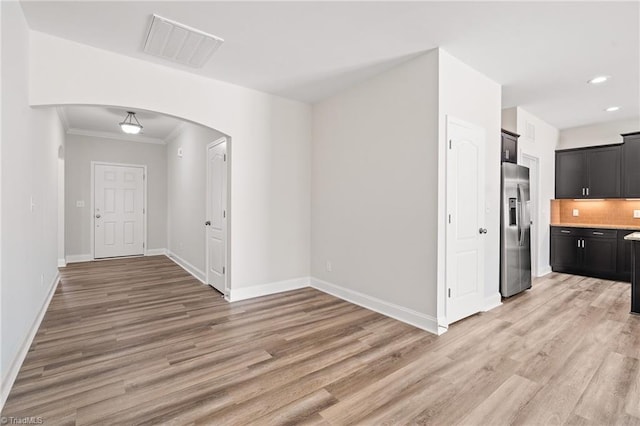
x,y
599,79
612,108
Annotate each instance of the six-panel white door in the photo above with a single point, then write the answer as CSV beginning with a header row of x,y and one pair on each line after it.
x,y
216,223
465,219
118,211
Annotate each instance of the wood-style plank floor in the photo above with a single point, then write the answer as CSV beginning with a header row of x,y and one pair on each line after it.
x,y
139,341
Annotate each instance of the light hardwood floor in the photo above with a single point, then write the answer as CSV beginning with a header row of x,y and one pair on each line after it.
x,y
139,341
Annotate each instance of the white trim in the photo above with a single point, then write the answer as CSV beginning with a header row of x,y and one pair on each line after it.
x,y
12,373
545,271
491,302
116,136
145,206
156,252
267,289
400,313
77,258
62,263
175,132
197,273
443,325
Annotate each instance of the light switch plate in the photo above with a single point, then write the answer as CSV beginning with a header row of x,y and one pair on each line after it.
x,y
180,152
636,214
576,212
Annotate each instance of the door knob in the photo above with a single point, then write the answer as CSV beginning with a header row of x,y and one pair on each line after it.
x,y
98,216
207,223
482,230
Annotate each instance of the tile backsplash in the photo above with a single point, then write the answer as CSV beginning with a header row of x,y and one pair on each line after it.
x,y
595,212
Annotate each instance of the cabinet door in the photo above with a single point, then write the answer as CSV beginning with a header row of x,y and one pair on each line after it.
x,y
565,253
624,255
571,174
630,169
603,177
509,149
599,255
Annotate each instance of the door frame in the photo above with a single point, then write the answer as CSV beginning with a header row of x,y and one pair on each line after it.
x,y
535,195
227,228
444,322
93,195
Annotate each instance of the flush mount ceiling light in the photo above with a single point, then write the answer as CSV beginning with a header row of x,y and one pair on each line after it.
x,y
128,126
612,108
599,79
180,43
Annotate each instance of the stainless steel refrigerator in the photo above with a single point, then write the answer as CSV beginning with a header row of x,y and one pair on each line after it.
x,y
515,230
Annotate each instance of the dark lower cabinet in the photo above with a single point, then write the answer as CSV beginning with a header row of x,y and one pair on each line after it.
x,y
601,253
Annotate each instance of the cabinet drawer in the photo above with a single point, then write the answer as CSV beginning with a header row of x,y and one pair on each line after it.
x,y
600,233
566,231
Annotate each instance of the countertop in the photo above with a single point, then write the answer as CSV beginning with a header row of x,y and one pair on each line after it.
x,y
633,237
590,225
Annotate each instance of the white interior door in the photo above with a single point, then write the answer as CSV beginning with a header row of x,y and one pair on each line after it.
x,y
465,219
216,223
118,210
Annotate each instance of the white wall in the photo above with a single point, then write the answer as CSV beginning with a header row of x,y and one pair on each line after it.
x,y
80,152
30,142
270,172
597,134
543,147
468,95
186,186
374,187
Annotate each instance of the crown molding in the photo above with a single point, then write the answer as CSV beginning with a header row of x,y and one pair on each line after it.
x,y
117,136
63,118
175,132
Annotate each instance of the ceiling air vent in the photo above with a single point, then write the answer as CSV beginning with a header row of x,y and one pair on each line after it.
x,y
177,42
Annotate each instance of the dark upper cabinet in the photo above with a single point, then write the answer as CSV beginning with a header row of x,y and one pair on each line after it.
x,y
589,172
571,174
631,165
509,152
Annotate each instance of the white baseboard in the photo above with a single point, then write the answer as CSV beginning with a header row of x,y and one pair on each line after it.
x,y
197,273
12,373
546,270
76,258
491,302
267,289
417,319
156,252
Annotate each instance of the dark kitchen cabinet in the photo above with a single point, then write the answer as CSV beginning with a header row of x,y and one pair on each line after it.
x,y
585,251
565,249
624,255
589,172
509,152
631,165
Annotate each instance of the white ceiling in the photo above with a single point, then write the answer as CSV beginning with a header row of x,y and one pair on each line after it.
x,y
103,122
541,52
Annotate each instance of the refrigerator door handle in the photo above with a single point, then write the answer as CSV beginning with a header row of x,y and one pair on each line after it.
x,y
520,219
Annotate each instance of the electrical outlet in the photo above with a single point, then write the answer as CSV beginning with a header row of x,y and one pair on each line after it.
x,y
576,212
80,203
329,266
636,214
